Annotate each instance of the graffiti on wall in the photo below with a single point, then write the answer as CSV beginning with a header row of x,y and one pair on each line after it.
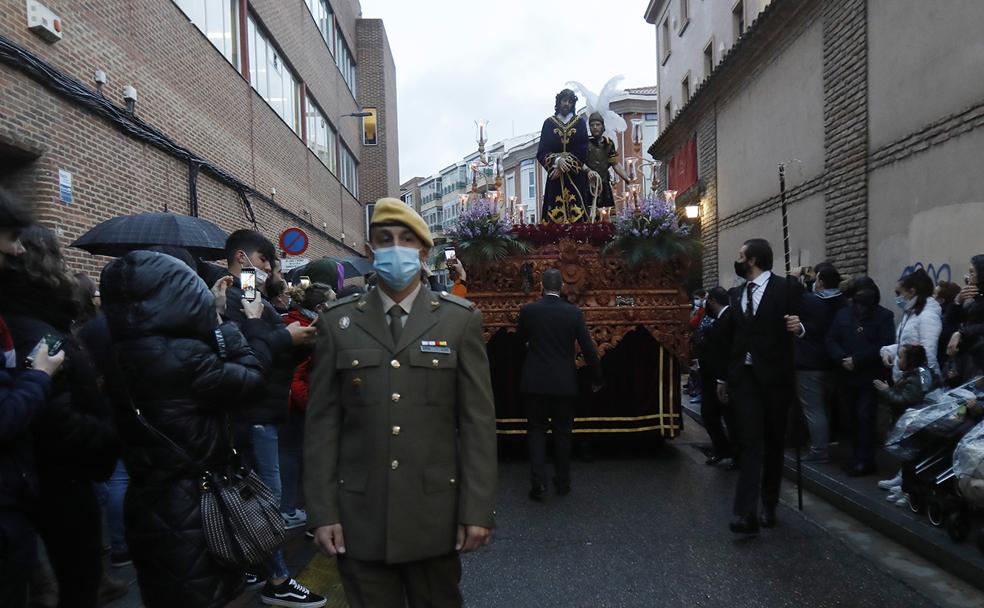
x,y
937,273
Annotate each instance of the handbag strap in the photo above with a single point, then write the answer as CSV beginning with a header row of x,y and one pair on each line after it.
x,y
177,449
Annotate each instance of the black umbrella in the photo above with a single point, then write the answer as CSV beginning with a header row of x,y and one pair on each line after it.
x,y
356,266
120,235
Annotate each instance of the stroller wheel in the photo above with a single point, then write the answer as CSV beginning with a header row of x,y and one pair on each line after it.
x,y
958,526
916,503
934,510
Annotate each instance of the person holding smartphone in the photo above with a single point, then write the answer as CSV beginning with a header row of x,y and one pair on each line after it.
x,y
23,395
251,259
74,438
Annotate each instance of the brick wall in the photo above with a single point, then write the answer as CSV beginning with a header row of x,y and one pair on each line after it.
x,y
707,175
845,91
189,91
379,173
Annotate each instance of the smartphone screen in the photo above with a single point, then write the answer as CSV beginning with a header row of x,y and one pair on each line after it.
x,y
247,279
52,342
449,254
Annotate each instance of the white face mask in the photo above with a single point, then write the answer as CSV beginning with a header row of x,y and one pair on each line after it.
x,y
261,275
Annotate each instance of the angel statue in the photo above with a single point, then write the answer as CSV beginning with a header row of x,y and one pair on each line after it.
x,y
604,126
562,152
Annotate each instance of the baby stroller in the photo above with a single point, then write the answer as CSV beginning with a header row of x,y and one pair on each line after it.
x,y
968,474
924,439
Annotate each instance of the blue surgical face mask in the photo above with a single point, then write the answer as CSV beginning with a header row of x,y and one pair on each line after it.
x,y
397,266
901,302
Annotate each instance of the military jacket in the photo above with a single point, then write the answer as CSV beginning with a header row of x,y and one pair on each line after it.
x,y
400,442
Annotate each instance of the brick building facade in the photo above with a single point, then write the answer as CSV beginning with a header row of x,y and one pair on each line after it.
x,y
288,154
868,106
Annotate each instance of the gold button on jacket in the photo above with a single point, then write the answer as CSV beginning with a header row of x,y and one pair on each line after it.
x,y
414,440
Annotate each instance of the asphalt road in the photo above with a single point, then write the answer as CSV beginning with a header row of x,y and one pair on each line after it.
x,y
653,532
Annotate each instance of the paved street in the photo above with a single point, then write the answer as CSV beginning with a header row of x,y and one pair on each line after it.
x,y
653,532
648,532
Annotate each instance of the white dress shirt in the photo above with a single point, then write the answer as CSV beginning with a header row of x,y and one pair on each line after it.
x,y
406,304
761,281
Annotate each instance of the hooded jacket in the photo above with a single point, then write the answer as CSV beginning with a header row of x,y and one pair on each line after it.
x,y
184,372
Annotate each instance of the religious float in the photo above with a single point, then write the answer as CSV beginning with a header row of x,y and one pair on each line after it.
x,y
623,265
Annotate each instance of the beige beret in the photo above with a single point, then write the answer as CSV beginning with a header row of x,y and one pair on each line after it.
x,y
394,211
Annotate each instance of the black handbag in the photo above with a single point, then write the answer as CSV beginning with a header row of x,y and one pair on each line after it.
x,y
240,515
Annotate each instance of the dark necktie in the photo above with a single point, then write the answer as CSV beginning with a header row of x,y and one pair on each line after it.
x,y
396,326
750,307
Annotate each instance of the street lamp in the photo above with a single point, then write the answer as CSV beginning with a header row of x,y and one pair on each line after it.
x,y
361,114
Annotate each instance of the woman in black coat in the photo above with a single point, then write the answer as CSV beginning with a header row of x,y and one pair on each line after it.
x,y
75,443
966,345
854,339
184,372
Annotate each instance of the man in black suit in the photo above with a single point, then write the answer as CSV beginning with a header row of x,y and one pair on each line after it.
x,y
712,358
761,322
549,327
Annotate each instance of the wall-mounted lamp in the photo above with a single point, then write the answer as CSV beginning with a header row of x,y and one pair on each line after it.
x,y
692,211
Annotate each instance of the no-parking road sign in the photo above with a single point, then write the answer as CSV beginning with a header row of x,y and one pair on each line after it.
x,y
294,241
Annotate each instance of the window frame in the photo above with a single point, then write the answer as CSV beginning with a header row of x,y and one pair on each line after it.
x,y
255,30
331,145
706,55
232,11
684,16
685,90
738,23
665,35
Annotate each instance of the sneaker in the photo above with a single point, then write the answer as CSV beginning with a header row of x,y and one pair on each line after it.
x,y
118,560
253,581
292,594
297,519
695,398
894,494
888,484
903,501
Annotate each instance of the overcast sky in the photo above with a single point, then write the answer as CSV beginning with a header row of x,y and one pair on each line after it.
x,y
458,61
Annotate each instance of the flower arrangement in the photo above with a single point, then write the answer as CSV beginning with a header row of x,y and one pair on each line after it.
x,y
482,234
547,234
651,232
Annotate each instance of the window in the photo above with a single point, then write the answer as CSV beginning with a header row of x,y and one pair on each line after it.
x,y
272,79
668,112
324,19
408,199
666,39
219,21
684,15
321,137
738,19
685,89
345,62
709,58
350,171
510,186
528,180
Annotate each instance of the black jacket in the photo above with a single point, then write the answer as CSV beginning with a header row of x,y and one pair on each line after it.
x,y
551,326
712,351
74,436
764,336
23,395
274,349
862,339
817,312
907,392
184,372
968,318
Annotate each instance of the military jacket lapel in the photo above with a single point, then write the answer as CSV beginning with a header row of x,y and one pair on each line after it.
x,y
422,317
373,320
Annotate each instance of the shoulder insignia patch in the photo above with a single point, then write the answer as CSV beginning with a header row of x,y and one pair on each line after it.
x,y
343,301
457,300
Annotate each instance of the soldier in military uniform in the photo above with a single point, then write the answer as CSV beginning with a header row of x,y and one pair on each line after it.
x,y
400,446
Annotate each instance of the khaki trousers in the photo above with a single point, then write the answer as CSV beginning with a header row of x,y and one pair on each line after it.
x,y
428,583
